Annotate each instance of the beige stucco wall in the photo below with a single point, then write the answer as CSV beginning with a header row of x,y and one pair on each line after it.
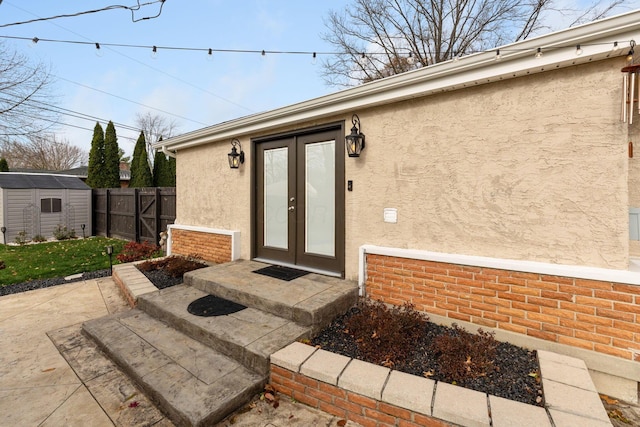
x,y
533,168
634,175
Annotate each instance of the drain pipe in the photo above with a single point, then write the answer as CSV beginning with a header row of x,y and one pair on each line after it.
x,y
167,152
362,270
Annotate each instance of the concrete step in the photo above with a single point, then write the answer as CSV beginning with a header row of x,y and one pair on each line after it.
x,y
312,300
192,383
249,336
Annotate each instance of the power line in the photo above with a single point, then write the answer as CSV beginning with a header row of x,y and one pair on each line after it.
x,y
132,9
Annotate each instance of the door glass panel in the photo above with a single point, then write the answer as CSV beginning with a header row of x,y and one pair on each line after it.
x,y
276,218
320,221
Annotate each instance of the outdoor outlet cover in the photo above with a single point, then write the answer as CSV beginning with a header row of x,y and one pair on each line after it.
x,y
391,215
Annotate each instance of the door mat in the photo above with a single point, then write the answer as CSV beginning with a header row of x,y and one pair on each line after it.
x,y
210,306
280,272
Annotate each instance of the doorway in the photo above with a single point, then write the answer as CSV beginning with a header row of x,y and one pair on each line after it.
x,y
299,200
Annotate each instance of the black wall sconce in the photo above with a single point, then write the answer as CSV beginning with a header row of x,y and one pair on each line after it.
x,y
235,158
355,140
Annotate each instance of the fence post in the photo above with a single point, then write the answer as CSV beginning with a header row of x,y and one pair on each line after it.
x,y
107,212
157,215
136,215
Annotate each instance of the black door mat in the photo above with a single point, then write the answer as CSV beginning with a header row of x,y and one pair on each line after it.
x,y
282,273
210,306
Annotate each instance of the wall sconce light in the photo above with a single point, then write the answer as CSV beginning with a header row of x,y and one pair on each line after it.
x,y
235,158
355,140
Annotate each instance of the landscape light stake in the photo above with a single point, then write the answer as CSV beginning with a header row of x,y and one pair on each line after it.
x,y
110,253
4,236
83,226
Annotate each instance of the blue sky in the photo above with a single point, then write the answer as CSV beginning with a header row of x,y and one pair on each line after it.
x,y
197,91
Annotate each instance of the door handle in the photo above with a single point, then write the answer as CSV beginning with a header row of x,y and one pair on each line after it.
x,y
292,199
291,208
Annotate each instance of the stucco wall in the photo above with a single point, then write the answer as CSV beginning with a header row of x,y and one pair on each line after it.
x,y
532,168
210,194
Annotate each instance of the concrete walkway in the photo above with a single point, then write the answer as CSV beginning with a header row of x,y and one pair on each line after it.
x,y
39,386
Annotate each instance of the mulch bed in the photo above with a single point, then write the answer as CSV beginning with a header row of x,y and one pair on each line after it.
x,y
516,369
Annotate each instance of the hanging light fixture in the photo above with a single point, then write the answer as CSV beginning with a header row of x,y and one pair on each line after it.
x,y
235,158
355,140
632,45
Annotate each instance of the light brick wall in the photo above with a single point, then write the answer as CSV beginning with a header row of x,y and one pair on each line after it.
x,y
589,314
207,246
345,404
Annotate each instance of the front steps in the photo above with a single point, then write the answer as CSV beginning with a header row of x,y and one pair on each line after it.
x,y
200,369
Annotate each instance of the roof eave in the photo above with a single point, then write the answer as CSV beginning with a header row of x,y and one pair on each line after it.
x,y
596,40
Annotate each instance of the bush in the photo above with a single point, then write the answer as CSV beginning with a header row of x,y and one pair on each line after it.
x,y
385,335
462,354
22,238
39,238
174,266
134,251
62,233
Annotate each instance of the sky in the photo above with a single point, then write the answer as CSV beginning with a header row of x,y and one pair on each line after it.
x,y
192,88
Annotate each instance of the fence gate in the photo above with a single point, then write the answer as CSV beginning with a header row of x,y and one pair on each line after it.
x,y
138,214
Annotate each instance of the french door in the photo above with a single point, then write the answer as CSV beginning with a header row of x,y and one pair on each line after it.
x,y
299,200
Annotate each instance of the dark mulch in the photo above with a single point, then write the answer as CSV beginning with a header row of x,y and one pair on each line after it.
x,y
45,283
511,379
161,279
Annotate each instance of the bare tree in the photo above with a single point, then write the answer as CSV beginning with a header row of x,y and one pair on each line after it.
x,y
379,38
25,96
43,152
155,127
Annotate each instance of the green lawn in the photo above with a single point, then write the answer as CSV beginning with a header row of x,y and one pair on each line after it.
x,y
56,259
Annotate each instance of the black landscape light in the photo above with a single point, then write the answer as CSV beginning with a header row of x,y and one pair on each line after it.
x,y
355,140
4,236
83,226
109,250
235,158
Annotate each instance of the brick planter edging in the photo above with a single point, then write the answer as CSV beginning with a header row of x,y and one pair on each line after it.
x,y
374,396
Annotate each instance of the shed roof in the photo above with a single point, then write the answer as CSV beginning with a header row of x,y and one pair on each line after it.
x,y
48,181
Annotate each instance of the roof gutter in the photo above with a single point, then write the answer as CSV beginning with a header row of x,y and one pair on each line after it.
x,y
596,40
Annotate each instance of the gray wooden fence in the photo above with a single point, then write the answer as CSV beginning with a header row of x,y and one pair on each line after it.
x,y
138,214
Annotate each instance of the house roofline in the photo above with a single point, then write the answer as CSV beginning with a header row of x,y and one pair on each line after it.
x,y
517,59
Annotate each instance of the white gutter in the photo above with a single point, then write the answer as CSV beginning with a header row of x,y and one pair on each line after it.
x,y
167,152
596,39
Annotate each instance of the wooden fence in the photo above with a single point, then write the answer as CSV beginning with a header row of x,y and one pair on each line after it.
x,y
138,214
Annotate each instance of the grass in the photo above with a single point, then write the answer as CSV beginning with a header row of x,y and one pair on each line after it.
x,y
56,259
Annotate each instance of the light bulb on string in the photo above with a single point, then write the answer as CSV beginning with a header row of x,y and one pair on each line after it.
x,y
632,45
210,55
539,53
498,56
410,59
314,58
263,53
154,52
33,42
99,51
578,50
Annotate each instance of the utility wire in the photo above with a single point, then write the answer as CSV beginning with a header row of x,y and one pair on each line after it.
x,y
132,9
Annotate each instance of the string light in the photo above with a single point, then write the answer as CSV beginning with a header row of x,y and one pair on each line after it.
x,y
155,49
410,60
99,52
313,58
210,55
154,52
632,44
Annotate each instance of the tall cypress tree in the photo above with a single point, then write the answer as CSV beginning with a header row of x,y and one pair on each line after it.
x,y
4,166
160,166
95,172
111,157
140,172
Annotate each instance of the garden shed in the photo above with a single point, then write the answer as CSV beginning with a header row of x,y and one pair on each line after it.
x,y
36,203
